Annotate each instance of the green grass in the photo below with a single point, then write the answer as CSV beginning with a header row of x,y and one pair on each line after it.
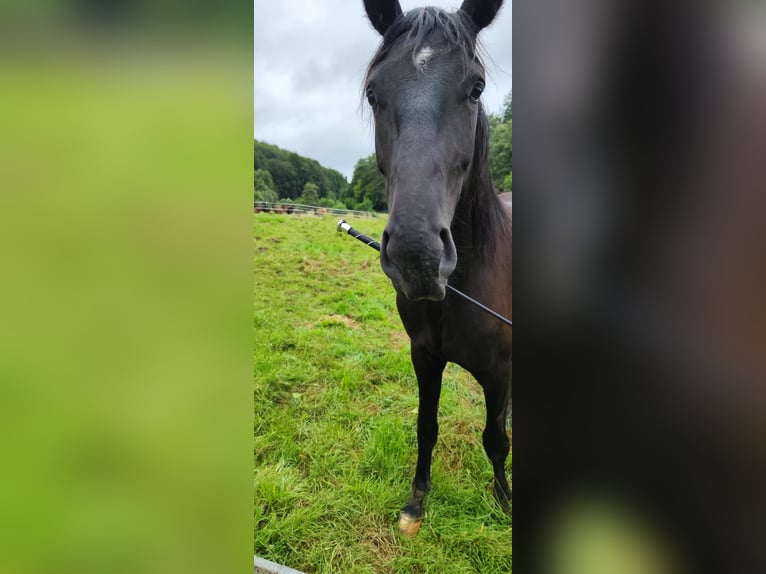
x,y
335,409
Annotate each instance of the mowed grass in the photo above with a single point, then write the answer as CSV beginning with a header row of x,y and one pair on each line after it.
x,y
335,411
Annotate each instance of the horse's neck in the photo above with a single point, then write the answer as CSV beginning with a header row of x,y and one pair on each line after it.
x,y
474,226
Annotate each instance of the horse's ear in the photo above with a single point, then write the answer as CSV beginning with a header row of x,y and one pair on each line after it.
x,y
382,13
481,12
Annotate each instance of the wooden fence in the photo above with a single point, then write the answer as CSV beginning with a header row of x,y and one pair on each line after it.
x,y
297,208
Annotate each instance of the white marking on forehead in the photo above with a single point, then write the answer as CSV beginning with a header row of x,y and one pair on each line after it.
x,y
421,58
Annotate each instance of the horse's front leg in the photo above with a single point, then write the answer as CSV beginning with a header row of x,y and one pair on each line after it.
x,y
428,370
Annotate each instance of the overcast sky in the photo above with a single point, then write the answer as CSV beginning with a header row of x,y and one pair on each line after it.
x,y
310,58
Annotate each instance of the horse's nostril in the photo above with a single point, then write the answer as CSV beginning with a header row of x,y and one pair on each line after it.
x,y
447,244
449,254
385,260
384,238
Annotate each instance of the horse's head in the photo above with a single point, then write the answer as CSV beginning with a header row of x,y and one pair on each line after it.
x,y
424,85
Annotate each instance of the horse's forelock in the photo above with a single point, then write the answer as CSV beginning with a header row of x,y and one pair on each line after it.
x,y
415,26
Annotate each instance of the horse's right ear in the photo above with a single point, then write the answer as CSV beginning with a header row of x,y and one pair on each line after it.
x,y
481,12
382,13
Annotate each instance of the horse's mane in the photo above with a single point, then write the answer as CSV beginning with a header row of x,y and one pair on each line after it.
x,y
479,200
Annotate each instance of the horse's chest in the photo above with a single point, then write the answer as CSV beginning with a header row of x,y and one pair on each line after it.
x,y
474,347
463,336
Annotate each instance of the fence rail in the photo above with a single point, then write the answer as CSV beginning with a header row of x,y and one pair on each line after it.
x,y
277,207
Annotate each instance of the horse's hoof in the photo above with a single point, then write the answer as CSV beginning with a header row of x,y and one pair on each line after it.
x,y
504,499
409,525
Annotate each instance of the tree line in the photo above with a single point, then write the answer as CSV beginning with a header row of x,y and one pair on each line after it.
x,y
281,175
285,176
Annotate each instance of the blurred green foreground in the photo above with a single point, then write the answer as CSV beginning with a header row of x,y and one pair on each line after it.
x,y
125,297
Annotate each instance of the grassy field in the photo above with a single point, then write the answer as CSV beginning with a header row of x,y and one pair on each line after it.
x,y
335,408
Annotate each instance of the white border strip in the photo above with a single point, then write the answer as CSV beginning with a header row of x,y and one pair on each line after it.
x,y
263,566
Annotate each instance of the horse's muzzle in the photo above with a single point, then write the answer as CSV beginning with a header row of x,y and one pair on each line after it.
x,y
418,263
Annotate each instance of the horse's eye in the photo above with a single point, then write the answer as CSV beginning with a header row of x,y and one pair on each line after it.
x,y
371,97
476,91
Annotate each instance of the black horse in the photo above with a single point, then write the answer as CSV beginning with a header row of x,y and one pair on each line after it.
x,y
446,220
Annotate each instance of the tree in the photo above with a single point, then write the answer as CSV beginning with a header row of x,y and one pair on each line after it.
x,y
365,205
368,186
501,152
310,194
291,172
508,108
264,186
501,145
285,178
508,182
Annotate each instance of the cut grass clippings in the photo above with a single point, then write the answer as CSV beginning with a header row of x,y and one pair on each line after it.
x,y
335,411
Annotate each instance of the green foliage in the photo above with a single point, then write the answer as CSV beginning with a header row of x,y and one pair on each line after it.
x,y
368,186
365,205
291,172
264,186
508,108
335,400
501,151
501,146
285,178
508,182
310,194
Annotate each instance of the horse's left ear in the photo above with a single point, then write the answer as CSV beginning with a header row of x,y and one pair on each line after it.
x,y
481,12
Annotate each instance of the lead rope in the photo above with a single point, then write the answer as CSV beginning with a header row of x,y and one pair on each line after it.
x,y
343,226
